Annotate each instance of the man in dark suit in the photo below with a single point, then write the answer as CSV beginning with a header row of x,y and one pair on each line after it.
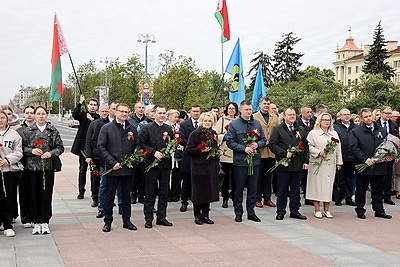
x,y
282,137
364,141
84,118
118,139
385,122
187,127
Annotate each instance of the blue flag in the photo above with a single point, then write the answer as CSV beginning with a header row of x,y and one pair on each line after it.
x,y
259,89
235,68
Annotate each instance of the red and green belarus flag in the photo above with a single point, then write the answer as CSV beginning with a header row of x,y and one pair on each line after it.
x,y
59,49
222,16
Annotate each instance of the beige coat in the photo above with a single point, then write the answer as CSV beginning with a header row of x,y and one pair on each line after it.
x,y
221,131
267,129
320,185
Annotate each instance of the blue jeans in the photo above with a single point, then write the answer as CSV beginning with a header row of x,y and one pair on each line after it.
x,y
102,196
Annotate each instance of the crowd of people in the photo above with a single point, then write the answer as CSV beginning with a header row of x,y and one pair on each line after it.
x,y
196,157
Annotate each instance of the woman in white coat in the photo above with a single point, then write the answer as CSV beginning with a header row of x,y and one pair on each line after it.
x,y
320,183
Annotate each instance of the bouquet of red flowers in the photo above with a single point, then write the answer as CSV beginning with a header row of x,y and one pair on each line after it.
x,y
92,168
130,160
213,152
329,149
252,137
166,151
40,144
286,161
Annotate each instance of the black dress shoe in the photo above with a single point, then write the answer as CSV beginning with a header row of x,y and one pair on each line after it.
x,y
107,227
361,216
389,202
141,200
253,218
164,222
94,204
184,207
80,196
298,216
398,196
383,215
198,221
207,220
238,218
351,203
338,203
225,204
148,224
129,225
279,217
308,202
100,214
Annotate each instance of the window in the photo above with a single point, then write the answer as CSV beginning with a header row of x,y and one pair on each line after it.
x,y
357,69
356,81
348,70
349,82
338,57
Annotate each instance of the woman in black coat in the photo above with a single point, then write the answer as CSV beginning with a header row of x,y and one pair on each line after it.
x,y
204,171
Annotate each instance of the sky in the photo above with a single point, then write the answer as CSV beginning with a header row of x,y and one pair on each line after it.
x,y
99,28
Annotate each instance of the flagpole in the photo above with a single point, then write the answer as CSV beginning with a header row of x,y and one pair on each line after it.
x,y
222,73
76,77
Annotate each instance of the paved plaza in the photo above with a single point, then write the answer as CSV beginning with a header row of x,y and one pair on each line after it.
x,y
77,240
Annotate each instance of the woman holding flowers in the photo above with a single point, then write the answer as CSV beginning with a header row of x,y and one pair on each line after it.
x,y
325,159
10,155
41,142
202,147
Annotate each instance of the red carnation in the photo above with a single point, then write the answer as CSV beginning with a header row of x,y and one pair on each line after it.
x,y
147,152
142,151
334,140
38,143
301,145
178,140
202,146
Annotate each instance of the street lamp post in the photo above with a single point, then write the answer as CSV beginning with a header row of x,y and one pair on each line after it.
x,y
146,38
106,60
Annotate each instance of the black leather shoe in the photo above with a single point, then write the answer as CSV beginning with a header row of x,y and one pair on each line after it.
x,y
80,196
94,204
100,214
279,217
383,215
338,203
163,222
389,202
298,216
351,203
198,221
361,216
398,196
207,220
184,207
253,218
238,218
141,200
148,224
308,202
129,225
225,204
107,227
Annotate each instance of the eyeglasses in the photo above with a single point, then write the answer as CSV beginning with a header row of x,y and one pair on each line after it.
x,y
387,113
123,111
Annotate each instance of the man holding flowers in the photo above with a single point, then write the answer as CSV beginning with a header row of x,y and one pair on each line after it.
x,y
284,138
245,137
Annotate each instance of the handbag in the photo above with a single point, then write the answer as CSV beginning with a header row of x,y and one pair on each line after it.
x,y
57,164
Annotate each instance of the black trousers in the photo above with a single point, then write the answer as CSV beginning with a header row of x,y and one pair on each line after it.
x,y
186,191
82,174
242,179
111,184
41,196
229,181
139,182
265,179
24,198
376,182
387,182
154,176
288,186
8,199
95,181
201,210
345,180
175,189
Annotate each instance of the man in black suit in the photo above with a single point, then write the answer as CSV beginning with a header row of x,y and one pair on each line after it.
x,y
84,118
185,130
282,137
390,127
364,141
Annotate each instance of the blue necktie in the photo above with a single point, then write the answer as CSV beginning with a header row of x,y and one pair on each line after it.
x,y
385,125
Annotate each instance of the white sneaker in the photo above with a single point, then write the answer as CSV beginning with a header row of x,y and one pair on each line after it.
x,y
327,214
9,233
37,229
318,215
27,225
1,227
45,229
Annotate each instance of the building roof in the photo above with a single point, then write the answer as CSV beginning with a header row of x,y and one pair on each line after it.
x,y
395,51
349,45
359,56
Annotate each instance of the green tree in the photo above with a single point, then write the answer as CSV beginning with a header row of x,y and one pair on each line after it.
x,y
375,60
286,62
266,63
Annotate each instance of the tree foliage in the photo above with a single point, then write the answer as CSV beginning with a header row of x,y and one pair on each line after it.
x,y
266,63
375,60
